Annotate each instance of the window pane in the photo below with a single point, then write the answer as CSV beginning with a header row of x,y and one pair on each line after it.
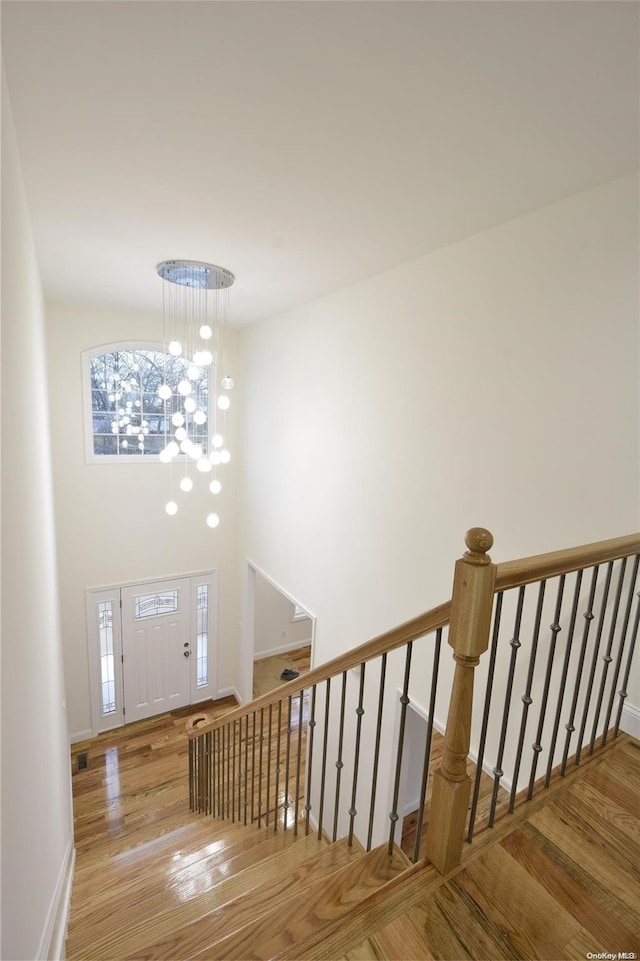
x,y
202,635
150,605
128,417
107,660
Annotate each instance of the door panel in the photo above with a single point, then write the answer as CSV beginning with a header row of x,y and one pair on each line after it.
x,y
156,631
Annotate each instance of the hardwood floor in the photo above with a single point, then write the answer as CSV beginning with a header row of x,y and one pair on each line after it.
x,y
557,880
562,884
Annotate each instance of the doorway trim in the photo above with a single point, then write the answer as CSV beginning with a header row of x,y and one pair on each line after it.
x,y
245,661
113,595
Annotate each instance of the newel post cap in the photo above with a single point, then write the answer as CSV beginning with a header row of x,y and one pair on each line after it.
x,y
479,540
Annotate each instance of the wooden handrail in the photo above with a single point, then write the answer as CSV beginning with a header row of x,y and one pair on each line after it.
x,y
409,631
509,574
528,570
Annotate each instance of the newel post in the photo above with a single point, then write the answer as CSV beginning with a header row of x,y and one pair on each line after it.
x,y
471,605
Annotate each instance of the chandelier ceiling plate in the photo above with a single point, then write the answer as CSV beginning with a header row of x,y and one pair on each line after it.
x,y
194,273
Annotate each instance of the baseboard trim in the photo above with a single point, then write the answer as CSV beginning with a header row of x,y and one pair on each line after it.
x,y
81,736
51,946
228,692
630,720
293,646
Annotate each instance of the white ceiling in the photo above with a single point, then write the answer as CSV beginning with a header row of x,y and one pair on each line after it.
x,y
303,145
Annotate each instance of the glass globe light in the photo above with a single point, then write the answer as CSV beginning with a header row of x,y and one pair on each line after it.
x,y
217,440
184,388
228,382
205,332
223,402
185,445
215,486
186,484
193,372
195,451
164,456
197,358
199,417
225,456
214,457
175,348
204,465
125,443
181,433
164,392
171,507
172,448
141,446
189,405
206,358
213,520
114,429
141,436
177,420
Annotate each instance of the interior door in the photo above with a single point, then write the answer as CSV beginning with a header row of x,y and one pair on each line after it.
x,y
156,648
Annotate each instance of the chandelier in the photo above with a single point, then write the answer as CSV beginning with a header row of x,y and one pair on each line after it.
x,y
196,380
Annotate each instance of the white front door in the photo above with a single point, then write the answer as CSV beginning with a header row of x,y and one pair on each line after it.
x,y
156,647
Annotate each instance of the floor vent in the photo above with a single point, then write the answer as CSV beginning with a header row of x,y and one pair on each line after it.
x,y
82,761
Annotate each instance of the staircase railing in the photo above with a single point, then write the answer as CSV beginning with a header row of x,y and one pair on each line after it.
x,y
307,757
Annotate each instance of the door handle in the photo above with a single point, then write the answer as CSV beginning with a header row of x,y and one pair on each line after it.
x,y
187,653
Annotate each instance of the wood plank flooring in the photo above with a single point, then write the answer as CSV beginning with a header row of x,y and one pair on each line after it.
x,y
557,880
563,884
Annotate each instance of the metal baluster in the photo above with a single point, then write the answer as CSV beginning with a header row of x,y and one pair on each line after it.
x,y
356,759
594,661
298,763
323,768
246,766
555,630
277,767
339,762
623,641
589,615
404,700
241,771
312,724
260,773
623,692
606,657
191,792
266,818
427,747
232,735
376,750
220,733
212,773
526,697
563,678
208,772
229,781
253,766
286,766
515,645
497,614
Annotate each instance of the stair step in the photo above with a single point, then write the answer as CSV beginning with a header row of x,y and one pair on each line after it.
x,y
145,920
324,901
189,872
109,860
279,885
401,940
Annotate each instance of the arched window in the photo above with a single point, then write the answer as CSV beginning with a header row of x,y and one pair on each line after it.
x,y
125,417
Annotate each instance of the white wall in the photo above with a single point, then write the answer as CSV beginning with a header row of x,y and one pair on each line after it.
x,y
492,383
112,527
37,823
275,630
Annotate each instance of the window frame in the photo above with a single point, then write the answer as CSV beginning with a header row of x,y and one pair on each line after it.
x,y
90,457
